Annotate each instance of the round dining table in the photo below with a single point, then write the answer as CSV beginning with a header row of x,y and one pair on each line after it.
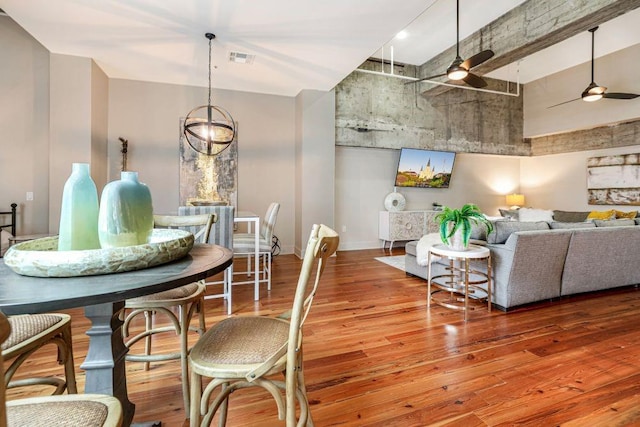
x,y
103,298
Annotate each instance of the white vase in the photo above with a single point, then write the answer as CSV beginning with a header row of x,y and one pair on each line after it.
x,y
126,212
79,212
456,242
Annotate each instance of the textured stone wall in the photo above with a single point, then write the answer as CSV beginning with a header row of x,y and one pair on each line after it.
x,y
385,112
609,136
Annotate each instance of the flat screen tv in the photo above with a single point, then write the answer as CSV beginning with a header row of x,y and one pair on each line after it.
x,y
424,168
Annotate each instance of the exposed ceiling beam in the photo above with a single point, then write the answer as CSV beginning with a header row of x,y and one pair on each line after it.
x,y
528,28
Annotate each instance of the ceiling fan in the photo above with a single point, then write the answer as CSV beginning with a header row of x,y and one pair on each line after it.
x,y
594,92
459,68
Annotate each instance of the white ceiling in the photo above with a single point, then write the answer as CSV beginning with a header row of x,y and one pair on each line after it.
x,y
298,44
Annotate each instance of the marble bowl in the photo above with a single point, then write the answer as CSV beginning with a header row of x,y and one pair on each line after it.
x,y
41,258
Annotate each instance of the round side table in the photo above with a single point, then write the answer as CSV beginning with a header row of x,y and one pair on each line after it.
x,y
457,282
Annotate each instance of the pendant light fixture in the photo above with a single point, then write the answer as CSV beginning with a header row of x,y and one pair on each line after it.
x,y
209,129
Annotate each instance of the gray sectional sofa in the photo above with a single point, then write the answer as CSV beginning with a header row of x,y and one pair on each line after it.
x,y
552,261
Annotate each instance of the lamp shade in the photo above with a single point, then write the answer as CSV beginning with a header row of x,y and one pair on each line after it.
x,y
515,200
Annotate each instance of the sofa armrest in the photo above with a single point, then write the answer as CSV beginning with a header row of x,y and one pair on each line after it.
x,y
528,266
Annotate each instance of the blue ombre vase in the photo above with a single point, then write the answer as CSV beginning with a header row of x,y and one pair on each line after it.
x,y
79,212
126,212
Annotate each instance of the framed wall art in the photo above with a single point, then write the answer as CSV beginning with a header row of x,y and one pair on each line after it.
x,y
614,180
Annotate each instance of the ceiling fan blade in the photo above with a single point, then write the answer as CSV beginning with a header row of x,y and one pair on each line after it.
x,y
426,78
477,59
565,102
615,95
475,81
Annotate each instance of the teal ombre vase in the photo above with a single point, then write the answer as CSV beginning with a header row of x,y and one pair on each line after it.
x,y
79,212
126,212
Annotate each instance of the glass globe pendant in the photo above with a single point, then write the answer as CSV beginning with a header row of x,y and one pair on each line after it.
x,y
209,129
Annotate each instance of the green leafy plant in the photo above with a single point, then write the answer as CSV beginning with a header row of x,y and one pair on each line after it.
x,y
452,220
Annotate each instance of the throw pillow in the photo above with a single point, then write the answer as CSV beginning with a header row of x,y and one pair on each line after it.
x,y
511,214
555,225
602,215
569,216
503,229
625,215
535,215
614,222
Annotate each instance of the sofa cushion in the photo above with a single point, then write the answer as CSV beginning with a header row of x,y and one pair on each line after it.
x,y
614,222
534,215
569,216
625,215
602,214
503,229
479,230
566,225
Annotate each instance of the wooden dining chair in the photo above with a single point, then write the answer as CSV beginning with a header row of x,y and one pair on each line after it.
x,y
31,332
187,299
77,410
246,351
244,245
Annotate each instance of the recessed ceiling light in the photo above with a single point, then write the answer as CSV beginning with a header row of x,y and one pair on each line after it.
x,y
402,35
241,58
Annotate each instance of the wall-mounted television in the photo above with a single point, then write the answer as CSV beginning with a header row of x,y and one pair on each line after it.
x,y
420,168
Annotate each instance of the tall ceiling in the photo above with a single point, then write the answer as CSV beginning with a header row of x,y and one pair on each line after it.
x,y
297,44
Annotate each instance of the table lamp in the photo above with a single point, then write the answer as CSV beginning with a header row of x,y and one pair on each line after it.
x,y
516,201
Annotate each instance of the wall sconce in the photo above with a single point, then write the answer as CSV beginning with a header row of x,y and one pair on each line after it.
x,y
515,201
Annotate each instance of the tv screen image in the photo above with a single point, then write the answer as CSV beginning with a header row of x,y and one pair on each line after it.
x,y
424,168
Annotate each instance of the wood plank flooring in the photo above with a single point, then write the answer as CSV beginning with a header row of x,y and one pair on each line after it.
x,y
374,356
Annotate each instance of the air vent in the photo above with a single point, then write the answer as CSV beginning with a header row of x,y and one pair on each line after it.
x,y
241,58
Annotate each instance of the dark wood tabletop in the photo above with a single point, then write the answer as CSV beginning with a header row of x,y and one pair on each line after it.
x,y
24,294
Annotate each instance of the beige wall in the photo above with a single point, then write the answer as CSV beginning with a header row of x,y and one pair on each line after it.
x,y
559,181
617,71
364,176
315,163
56,109
24,126
148,114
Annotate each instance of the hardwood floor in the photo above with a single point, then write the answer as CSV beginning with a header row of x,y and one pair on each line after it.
x,y
374,356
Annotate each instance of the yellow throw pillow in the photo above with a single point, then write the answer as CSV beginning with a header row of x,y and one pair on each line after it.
x,y
602,215
627,215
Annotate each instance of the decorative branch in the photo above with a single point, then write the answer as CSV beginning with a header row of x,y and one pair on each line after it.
x,y
123,150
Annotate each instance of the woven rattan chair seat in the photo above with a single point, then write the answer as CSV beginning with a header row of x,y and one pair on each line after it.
x,y
240,341
28,326
185,291
67,414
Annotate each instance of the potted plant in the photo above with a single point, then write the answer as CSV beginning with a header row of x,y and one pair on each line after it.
x,y
455,225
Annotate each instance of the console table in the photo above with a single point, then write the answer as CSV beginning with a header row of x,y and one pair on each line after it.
x,y
405,225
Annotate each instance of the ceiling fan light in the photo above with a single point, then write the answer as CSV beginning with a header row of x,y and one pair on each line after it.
x,y
593,93
591,97
457,73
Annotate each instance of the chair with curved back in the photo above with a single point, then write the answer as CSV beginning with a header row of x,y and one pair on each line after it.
x,y
188,299
244,245
56,411
246,351
31,332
